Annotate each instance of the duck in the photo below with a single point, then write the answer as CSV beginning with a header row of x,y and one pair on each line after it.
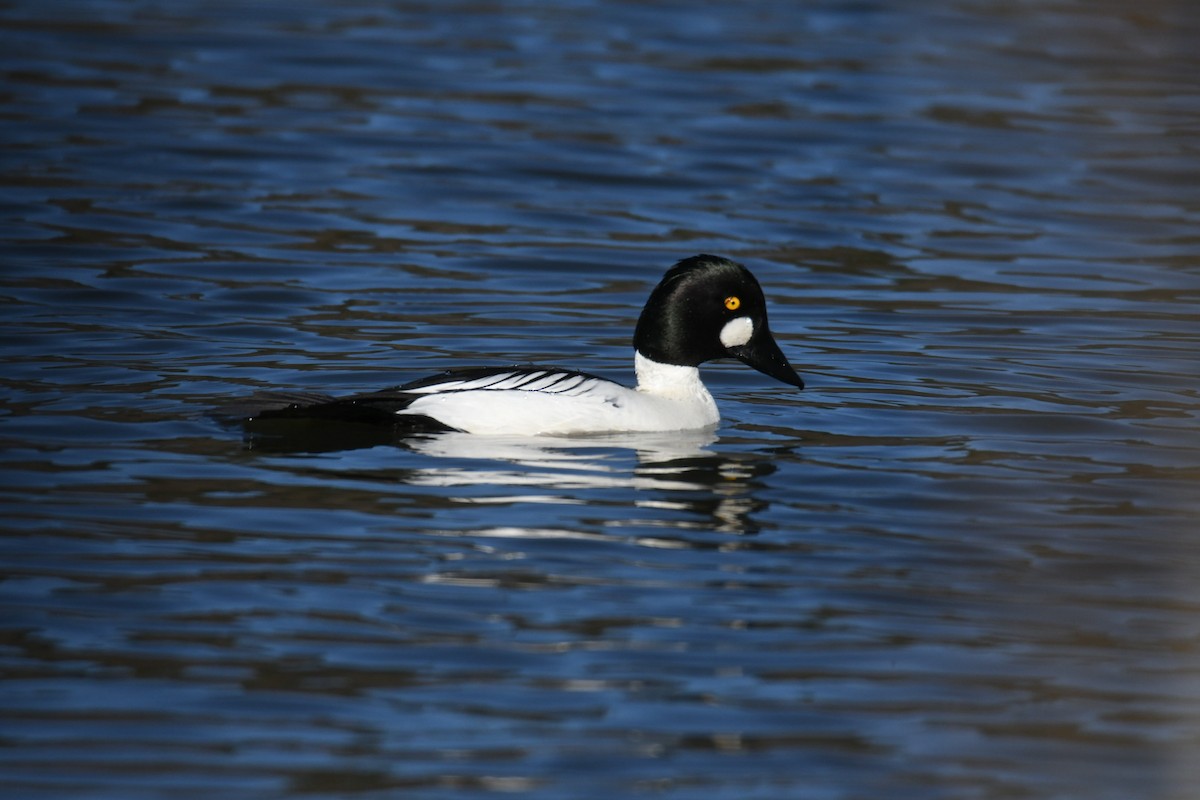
x,y
705,308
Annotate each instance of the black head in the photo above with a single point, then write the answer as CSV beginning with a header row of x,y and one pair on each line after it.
x,y
708,307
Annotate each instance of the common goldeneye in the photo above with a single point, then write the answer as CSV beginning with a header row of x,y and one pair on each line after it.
x,y
705,307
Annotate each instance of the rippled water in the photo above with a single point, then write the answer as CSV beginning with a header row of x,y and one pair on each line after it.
x,y
962,564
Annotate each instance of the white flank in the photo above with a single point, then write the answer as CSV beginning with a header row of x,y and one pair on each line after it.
x,y
668,398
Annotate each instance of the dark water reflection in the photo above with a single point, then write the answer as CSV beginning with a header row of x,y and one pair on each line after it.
x,y
962,564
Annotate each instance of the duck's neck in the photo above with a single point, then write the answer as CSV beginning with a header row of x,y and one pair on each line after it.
x,y
667,380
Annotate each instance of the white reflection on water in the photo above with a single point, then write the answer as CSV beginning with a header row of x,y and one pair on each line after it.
x,y
562,461
668,465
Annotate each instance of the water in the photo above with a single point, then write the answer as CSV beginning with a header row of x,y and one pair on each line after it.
x,y
962,564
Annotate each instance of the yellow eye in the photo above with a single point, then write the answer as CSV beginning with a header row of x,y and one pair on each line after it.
x,y
733,303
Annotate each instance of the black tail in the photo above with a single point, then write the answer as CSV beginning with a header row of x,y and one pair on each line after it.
x,y
308,422
365,409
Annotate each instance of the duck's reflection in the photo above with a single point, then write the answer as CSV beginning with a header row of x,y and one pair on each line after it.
x,y
674,471
582,454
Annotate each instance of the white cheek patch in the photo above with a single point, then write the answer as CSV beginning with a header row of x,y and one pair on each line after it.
x,y
737,332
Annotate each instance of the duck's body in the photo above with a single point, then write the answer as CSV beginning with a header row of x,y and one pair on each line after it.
x,y
704,308
532,401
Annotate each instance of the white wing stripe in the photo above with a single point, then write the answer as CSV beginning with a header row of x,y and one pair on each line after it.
x,y
583,388
566,383
448,386
543,383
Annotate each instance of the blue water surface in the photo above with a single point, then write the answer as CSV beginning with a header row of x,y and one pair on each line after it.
x,y
963,563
